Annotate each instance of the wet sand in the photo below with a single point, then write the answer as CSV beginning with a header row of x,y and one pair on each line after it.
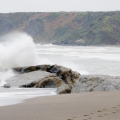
x,y
78,106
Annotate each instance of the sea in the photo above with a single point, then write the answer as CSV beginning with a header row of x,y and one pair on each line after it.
x,y
17,49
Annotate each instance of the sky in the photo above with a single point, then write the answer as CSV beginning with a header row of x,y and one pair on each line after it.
x,y
7,6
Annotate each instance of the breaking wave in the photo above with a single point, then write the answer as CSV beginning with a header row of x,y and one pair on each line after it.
x,y
18,49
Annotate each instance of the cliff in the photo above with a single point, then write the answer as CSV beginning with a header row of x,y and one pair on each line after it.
x,y
68,28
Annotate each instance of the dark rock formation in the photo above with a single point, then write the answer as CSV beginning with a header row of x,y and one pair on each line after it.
x,y
66,74
64,89
50,81
60,77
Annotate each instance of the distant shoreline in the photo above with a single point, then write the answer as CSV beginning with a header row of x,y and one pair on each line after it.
x,y
101,45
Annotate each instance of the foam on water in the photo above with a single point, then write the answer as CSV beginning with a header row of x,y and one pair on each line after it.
x,y
17,95
84,59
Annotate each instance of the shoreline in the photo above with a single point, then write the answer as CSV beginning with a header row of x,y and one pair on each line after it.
x,y
15,95
50,44
83,45
78,106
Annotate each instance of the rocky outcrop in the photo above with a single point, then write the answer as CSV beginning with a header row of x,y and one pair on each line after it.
x,y
64,89
66,74
50,81
60,77
89,83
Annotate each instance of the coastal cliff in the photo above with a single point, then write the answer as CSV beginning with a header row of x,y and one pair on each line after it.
x,y
65,28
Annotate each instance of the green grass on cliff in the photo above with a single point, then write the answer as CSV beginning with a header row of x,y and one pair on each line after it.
x,y
77,28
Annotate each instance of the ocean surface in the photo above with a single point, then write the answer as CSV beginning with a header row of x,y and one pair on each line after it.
x,y
18,49
83,59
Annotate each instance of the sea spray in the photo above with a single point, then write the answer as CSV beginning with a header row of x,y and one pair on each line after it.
x,y
4,75
17,49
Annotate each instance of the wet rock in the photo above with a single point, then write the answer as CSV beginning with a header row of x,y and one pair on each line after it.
x,y
62,78
51,81
64,89
28,85
66,74
6,86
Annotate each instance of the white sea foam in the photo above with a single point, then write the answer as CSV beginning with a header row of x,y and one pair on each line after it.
x,y
17,50
4,75
86,60
17,95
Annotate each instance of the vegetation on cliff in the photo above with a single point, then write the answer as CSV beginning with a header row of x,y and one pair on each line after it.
x,y
68,28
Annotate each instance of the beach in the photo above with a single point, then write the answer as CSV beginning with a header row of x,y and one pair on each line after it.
x,y
78,106
39,103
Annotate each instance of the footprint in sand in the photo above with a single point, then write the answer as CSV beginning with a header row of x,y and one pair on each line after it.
x,y
100,116
105,114
113,112
99,111
91,113
85,115
89,117
114,107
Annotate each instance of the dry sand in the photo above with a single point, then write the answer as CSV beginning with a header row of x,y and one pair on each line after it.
x,y
79,106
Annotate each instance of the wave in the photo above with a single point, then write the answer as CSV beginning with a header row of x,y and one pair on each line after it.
x,y
18,49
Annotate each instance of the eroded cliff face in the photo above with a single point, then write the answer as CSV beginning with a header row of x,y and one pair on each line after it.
x,y
67,28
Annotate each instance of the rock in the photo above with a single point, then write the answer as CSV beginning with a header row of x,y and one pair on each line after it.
x,y
64,89
6,86
60,77
26,78
51,81
89,83
66,74
30,85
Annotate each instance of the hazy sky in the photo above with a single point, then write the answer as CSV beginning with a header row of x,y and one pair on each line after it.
x,y
58,5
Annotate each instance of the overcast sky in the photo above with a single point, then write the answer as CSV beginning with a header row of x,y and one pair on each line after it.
x,y
7,6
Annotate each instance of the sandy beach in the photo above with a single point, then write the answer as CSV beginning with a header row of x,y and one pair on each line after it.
x,y
78,106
